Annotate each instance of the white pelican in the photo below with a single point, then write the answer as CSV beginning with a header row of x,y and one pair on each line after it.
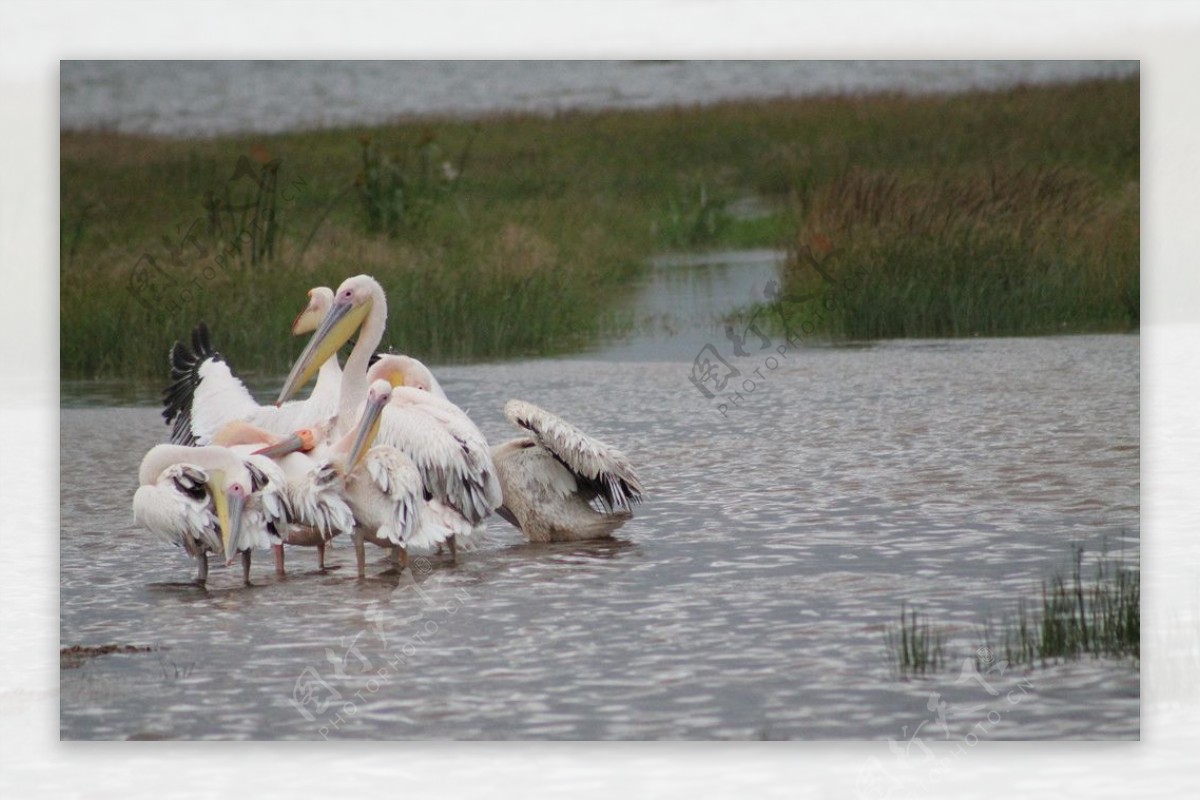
x,y
359,303
317,510
205,395
449,451
202,498
268,511
560,484
432,427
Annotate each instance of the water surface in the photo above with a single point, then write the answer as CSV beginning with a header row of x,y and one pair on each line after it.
x,y
205,98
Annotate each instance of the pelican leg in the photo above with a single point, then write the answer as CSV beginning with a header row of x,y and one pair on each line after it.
x,y
202,568
321,555
399,557
277,549
453,544
246,567
360,553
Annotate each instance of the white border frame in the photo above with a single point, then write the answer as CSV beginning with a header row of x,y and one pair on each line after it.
x,y
34,36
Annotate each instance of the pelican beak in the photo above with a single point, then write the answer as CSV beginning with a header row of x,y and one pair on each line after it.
x,y
368,429
306,321
335,330
282,448
229,512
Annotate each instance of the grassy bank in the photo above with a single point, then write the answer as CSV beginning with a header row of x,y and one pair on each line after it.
x,y
1020,218
1009,212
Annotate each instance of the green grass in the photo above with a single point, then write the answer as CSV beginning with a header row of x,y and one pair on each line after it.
x,y
1074,617
1101,617
1004,212
984,252
914,647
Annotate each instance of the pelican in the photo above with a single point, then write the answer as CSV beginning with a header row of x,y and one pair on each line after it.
x,y
438,432
268,511
560,484
382,486
205,395
199,498
317,511
447,448
359,303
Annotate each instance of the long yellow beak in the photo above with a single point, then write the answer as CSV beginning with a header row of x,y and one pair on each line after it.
x,y
229,512
340,323
368,430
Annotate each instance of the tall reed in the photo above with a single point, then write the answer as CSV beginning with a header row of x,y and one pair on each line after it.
x,y
972,253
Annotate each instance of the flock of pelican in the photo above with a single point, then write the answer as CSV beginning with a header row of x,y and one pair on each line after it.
x,y
377,451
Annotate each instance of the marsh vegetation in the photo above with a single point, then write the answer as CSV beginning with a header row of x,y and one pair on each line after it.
x,y
1009,212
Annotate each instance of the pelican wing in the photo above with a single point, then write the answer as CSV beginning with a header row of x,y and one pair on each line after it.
x,y
176,507
315,494
205,395
386,493
454,463
437,522
535,474
269,493
600,470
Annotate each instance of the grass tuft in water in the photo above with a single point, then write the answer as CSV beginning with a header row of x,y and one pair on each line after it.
x,y
914,647
1101,617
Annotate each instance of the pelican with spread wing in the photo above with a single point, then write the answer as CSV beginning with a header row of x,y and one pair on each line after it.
x,y
560,484
205,395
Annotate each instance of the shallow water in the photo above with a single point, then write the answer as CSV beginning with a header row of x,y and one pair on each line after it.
x,y
748,598
203,98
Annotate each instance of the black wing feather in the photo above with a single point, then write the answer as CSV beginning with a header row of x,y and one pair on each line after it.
x,y
185,377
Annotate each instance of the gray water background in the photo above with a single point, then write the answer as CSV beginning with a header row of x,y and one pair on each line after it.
x,y
205,98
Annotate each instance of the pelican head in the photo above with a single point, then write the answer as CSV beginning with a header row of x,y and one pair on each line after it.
x,y
320,298
229,498
351,304
378,396
405,371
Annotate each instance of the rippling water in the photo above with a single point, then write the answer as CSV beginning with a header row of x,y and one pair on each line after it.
x,y
747,599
